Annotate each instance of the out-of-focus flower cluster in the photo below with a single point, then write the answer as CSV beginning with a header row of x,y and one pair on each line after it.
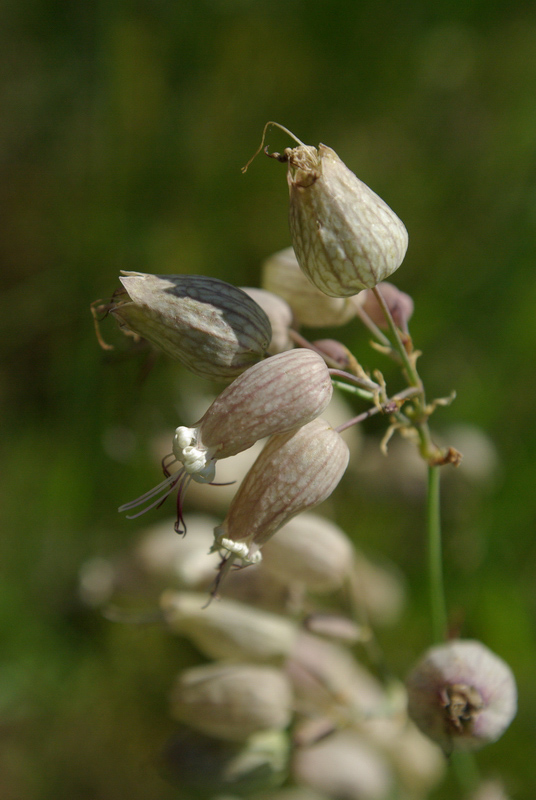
x,y
284,698
277,600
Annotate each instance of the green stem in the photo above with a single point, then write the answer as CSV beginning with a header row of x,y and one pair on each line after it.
x,y
426,446
411,372
435,560
466,770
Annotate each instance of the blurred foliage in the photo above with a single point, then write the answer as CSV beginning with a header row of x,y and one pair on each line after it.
x,y
123,129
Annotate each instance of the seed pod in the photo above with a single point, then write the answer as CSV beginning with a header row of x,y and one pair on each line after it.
x,y
280,393
211,327
232,701
280,315
295,472
461,695
229,630
281,274
345,237
399,304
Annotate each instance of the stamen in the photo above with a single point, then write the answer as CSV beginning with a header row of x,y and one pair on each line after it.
x,y
166,486
180,524
166,466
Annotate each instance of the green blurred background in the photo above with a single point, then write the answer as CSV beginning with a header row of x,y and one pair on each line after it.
x,y
123,129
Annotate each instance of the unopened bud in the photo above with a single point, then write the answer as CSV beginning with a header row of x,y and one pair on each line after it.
x,y
210,326
232,701
312,550
462,695
343,765
399,304
345,237
339,354
294,472
325,675
281,274
229,630
280,315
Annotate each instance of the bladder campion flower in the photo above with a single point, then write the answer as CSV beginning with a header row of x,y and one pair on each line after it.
x,y
294,472
281,393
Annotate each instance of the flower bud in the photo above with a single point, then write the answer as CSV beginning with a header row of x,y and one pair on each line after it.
x,y
211,327
345,237
295,472
281,274
312,550
399,304
232,701
343,765
326,676
280,315
461,695
228,630
339,354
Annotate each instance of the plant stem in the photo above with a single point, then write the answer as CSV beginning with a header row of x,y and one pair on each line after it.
x,y
435,560
466,770
411,372
390,406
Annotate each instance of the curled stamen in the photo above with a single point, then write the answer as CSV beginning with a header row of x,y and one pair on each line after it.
x,y
180,524
166,464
